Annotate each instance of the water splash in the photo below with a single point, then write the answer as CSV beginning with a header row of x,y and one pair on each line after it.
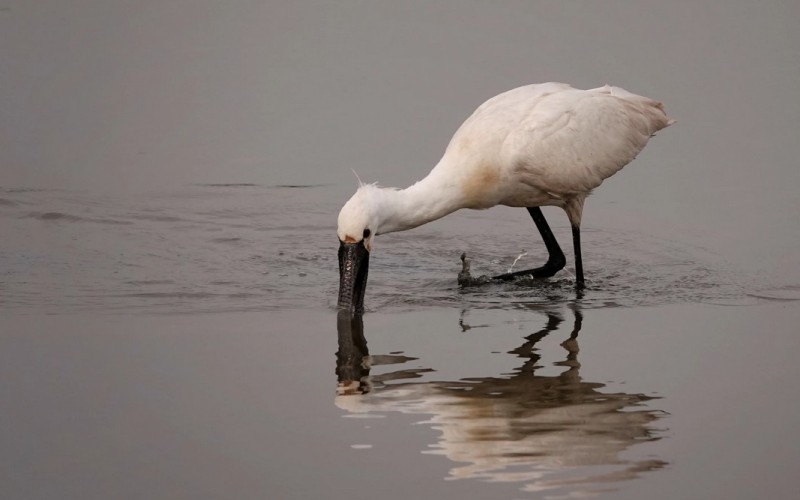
x,y
523,254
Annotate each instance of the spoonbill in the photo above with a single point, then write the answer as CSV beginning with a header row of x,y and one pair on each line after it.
x,y
538,145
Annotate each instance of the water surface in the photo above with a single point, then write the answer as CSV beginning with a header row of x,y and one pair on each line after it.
x,y
187,341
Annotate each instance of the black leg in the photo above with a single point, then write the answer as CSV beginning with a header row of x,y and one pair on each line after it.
x,y
576,243
555,262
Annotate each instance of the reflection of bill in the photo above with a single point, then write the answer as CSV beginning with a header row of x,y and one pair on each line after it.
x,y
548,432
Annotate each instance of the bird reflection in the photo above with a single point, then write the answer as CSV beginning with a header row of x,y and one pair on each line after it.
x,y
547,432
353,362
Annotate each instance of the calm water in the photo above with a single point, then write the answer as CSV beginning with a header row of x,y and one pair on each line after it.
x,y
184,344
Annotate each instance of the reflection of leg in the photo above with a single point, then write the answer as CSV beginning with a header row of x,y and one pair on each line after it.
x,y
464,326
571,344
556,260
528,349
577,325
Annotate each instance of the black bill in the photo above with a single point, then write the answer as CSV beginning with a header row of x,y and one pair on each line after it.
x,y
353,267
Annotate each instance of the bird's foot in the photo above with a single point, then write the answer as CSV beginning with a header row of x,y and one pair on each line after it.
x,y
465,279
545,271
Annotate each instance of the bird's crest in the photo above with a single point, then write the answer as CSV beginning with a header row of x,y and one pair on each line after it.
x,y
360,182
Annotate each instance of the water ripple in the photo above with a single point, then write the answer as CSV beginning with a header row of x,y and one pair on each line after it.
x,y
264,248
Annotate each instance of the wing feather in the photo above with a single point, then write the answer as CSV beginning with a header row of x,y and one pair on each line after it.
x,y
573,140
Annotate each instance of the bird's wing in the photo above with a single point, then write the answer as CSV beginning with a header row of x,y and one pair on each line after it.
x,y
572,140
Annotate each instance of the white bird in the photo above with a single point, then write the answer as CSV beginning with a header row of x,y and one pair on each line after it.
x,y
538,145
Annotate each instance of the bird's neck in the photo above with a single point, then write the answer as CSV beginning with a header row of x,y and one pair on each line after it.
x,y
428,200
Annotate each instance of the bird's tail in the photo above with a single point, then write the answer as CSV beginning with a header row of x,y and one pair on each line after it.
x,y
652,108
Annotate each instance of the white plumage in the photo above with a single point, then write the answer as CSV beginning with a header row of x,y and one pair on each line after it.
x,y
538,145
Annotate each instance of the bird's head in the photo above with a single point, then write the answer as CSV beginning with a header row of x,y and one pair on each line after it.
x,y
358,225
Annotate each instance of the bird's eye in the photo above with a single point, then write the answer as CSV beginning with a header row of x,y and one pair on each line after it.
x,y
367,232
